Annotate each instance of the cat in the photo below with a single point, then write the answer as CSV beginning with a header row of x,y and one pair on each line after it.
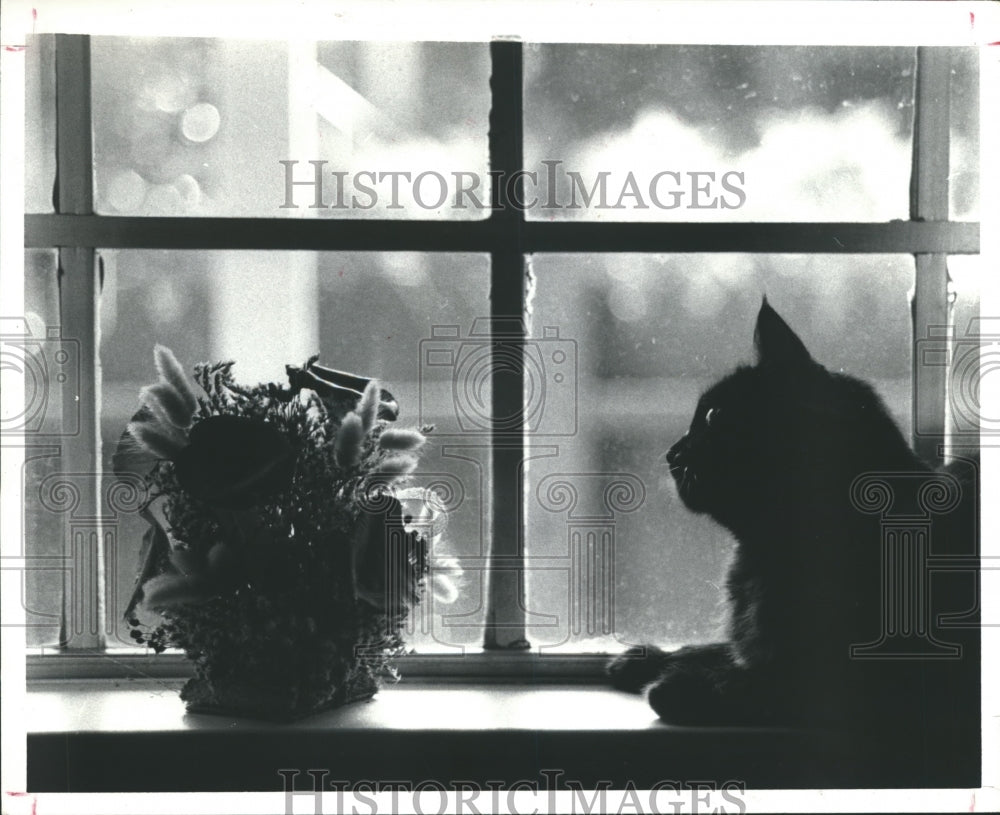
x,y
771,454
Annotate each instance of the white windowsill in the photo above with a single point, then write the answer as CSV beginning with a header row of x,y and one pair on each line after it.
x,y
154,706
106,735
83,733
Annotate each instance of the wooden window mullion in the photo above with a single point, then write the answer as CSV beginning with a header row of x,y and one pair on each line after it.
x,y
83,625
505,613
930,308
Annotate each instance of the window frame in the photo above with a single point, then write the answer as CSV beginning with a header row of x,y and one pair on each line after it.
x,y
510,239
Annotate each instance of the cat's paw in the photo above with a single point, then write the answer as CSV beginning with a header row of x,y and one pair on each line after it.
x,y
701,690
636,668
685,698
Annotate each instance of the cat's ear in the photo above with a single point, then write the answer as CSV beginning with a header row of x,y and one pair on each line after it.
x,y
776,344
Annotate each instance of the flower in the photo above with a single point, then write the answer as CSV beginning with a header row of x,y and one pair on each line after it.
x,y
172,377
235,462
195,578
403,440
159,429
388,560
350,437
341,392
155,436
277,556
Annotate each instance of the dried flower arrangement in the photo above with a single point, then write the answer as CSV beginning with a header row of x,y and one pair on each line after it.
x,y
278,555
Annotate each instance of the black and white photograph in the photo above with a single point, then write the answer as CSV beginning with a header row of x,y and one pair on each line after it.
x,y
499,407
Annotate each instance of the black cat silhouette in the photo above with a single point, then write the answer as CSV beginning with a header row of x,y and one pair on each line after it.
x,y
789,457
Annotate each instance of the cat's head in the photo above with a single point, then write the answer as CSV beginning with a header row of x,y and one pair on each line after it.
x,y
779,435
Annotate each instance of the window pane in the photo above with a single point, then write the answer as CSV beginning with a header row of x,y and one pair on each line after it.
x,y
964,158
650,333
368,313
200,126
39,123
748,132
40,357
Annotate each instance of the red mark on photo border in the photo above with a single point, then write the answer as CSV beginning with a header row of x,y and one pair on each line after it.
x,y
16,48
972,24
34,801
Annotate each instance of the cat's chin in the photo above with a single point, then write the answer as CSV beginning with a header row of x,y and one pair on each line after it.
x,y
690,490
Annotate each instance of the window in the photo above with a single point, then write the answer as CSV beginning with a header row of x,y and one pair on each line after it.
x,y
194,203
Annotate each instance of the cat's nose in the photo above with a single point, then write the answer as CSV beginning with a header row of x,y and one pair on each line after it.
x,y
676,452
